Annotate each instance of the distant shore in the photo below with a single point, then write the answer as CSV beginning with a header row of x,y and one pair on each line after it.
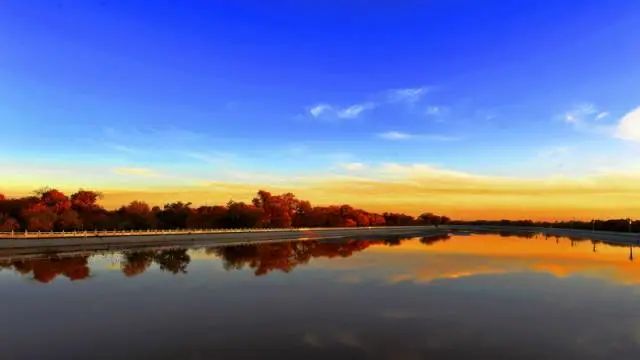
x,y
578,234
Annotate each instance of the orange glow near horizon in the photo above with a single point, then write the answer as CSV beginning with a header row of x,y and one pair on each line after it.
x,y
486,254
464,197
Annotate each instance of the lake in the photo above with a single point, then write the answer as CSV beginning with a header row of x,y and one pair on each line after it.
x,y
457,296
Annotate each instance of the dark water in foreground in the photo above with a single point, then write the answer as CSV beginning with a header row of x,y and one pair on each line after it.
x,y
462,296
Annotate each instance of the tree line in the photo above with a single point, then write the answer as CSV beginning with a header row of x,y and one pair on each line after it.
x,y
52,210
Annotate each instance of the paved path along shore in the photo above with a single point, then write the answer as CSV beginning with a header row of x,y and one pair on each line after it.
x,y
55,242
47,242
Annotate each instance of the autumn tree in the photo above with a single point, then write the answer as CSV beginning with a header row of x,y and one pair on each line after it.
x,y
241,215
397,219
55,200
84,200
91,214
207,217
39,217
278,210
174,215
8,223
136,215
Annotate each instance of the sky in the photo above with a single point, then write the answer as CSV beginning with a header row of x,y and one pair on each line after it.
x,y
475,109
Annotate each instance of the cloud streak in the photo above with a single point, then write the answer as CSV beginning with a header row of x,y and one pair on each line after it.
x,y
326,111
135,171
409,96
400,136
587,117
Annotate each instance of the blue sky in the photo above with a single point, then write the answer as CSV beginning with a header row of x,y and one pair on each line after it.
x,y
254,90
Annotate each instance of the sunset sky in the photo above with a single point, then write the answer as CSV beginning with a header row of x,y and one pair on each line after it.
x,y
474,109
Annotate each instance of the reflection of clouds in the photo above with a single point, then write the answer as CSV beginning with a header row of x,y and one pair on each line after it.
x,y
401,314
350,278
349,339
397,278
312,339
490,254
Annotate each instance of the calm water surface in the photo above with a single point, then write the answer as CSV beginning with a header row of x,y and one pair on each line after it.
x,y
464,296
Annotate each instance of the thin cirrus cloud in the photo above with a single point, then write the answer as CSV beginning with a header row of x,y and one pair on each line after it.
x,y
406,96
353,166
395,135
586,116
435,110
399,136
135,171
349,112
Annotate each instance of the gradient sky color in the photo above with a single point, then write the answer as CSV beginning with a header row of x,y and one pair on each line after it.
x,y
473,108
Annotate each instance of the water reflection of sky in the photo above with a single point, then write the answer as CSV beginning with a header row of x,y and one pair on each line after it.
x,y
483,295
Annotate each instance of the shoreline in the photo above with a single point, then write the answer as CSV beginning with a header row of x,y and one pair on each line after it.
x,y
119,242
124,241
611,237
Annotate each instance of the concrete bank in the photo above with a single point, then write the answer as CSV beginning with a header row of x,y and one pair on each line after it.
x,y
32,245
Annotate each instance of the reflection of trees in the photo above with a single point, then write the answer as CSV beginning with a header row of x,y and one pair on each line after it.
x,y
430,240
175,261
520,234
285,256
46,269
136,263
261,257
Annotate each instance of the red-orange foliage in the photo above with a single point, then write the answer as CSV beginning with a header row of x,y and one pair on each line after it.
x,y
285,256
84,200
7,223
56,200
39,217
45,270
53,210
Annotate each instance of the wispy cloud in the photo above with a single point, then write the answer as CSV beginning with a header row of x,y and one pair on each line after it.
x,y
215,157
399,135
584,114
628,128
318,110
580,114
350,112
354,111
123,148
323,110
434,110
395,135
135,171
353,166
408,95
588,117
